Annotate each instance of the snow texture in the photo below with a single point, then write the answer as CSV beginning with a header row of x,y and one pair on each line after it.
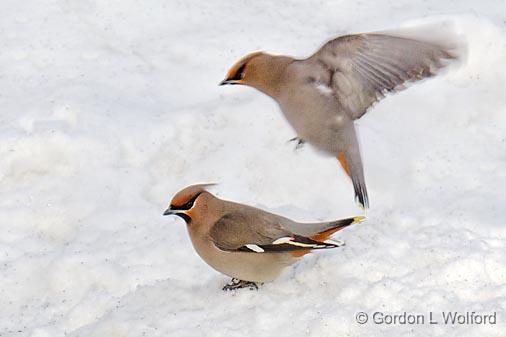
x,y
110,107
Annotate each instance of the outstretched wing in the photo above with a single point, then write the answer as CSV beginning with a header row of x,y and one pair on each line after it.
x,y
259,234
364,67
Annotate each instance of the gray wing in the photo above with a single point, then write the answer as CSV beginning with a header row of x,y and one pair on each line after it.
x,y
364,67
258,233
237,229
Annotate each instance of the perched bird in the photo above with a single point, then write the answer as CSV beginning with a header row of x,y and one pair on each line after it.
x,y
321,96
246,243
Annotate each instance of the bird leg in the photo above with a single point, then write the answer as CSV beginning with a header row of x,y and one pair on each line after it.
x,y
300,142
238,284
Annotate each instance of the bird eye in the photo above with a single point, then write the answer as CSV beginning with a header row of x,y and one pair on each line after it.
x,y
239,75
188,205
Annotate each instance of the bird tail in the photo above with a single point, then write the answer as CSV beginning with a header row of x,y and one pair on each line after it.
x,y
336,226
351,161
360,192
330,228
356,174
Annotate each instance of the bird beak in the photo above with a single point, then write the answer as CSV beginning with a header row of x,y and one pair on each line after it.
x,y
227,81
180,213
170,211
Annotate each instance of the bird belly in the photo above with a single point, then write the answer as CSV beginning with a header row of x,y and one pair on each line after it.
x,y
255,267
319,135
316,124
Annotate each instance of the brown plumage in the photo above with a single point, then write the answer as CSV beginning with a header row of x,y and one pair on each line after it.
x,y
323,94
244,242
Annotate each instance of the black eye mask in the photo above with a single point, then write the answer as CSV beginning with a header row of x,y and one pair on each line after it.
x,y
239,75
187,205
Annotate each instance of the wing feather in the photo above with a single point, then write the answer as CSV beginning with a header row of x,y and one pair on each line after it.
x,y
259,234
365,67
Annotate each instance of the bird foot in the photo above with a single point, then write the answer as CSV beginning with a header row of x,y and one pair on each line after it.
x,y
238,284
300,142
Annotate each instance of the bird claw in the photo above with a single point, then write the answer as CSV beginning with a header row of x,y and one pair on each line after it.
x,y
238,284
300,142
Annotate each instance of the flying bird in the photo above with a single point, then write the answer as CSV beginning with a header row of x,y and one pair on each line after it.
x,y
246,243
321,96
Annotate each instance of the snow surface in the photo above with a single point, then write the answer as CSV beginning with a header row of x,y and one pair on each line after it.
x,y
107,108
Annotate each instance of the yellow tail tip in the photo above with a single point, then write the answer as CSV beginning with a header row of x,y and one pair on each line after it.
x,y
358,219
